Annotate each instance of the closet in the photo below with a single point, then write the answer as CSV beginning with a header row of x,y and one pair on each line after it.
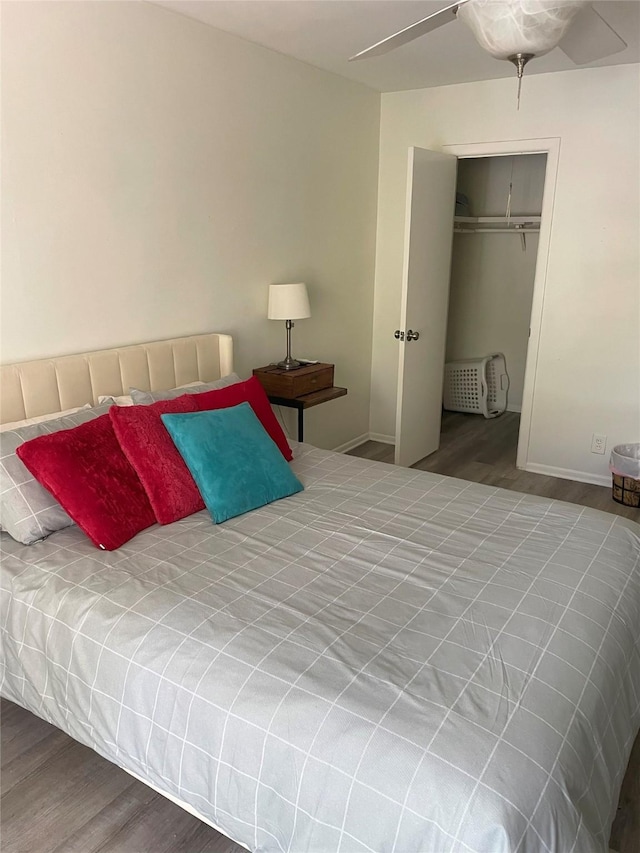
x,y
495,246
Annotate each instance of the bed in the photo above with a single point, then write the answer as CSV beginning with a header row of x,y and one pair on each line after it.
x,y
390,660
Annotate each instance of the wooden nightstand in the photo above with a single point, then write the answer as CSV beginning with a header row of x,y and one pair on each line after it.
x,y
299,389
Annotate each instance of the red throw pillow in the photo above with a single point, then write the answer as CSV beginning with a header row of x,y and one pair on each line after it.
x,y
252,392
147,445
89,475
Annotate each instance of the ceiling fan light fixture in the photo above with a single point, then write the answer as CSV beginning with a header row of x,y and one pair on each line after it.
x,y
506,28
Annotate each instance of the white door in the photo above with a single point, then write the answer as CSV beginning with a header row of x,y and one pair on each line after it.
x,y
431,192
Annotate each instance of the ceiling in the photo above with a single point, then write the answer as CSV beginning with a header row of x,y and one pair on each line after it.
x,y
325,33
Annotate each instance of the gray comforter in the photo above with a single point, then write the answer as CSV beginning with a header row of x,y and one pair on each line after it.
x,y
389,661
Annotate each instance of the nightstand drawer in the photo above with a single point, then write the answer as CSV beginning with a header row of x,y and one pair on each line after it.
x,y
295,383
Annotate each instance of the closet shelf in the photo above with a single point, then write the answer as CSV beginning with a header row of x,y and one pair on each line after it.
x,y
472,220
496,224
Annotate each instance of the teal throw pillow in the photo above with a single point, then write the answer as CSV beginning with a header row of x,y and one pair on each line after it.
x,y
235,463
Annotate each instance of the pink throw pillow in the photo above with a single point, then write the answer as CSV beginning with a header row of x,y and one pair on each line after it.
x,y
147,445
89,475
252,392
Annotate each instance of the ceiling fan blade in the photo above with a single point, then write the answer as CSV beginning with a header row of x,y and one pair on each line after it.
x,y
590,37
413,31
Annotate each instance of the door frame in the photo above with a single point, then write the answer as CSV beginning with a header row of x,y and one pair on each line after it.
x,y
551,147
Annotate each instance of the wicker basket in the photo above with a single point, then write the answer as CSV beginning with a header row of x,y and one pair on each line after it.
x,y
626,490
624,465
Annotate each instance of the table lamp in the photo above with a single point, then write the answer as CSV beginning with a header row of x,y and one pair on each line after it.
x,y
288,302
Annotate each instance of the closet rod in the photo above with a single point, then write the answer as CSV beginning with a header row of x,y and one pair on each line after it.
x,y
496,230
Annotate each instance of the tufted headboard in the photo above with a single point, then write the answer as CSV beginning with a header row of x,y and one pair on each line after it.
x,y
32,388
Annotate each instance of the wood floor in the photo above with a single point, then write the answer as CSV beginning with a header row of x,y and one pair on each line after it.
x,y
60,797
484,451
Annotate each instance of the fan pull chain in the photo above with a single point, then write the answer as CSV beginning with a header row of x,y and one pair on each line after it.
x,y
520,60
519,90
508,213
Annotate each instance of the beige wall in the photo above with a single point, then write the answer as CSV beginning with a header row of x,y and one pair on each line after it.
x,y
491,275
588,372
490,302
158,175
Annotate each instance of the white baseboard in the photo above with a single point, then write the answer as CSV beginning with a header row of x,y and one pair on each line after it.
x,y
512,407
568,474
366,436
354,442
383,439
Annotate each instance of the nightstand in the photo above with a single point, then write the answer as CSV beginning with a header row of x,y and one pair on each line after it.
x,y
299,389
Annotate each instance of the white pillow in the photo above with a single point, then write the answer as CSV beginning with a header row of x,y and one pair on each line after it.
x,y
127,400
122,400
28,512
144,398
40,419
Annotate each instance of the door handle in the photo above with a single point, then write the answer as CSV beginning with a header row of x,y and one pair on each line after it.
x,y
412,336
398,335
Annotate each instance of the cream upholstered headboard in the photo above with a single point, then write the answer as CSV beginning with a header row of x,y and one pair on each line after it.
x,y
32,388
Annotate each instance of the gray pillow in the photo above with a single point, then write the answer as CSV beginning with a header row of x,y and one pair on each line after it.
x,y
144,398
28,512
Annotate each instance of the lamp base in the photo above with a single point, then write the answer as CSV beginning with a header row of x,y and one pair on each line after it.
x,y
289,364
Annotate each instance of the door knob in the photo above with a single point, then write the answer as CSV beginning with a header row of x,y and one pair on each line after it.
x,y
398,335
412,336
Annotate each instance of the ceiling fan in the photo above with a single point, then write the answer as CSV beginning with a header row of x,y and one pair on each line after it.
x,y
519,30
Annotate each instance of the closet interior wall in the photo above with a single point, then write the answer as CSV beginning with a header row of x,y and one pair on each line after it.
x,y
492,274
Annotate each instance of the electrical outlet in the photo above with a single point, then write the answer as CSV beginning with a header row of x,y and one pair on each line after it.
x,y
598,443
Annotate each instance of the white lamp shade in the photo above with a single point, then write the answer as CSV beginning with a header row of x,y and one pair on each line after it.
x,y
507,27
288,302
